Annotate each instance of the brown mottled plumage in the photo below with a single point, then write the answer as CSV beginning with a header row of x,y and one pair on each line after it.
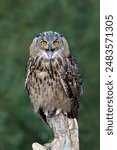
x,y
53,80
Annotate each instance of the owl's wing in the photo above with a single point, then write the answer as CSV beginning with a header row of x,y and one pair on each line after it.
x,y
31,66
71,80
29,69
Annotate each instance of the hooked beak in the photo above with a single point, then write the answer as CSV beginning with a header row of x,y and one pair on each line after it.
x,y
50,51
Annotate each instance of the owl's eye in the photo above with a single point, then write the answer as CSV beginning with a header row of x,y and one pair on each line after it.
x,y
43,43
56,43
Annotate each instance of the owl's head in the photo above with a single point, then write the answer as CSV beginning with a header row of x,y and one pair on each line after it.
x,y
49,45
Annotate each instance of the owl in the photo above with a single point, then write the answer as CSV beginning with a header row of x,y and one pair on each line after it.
x,y
53,80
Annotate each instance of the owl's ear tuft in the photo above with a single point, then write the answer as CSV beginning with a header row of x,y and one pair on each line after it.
x,y
38,34
61,35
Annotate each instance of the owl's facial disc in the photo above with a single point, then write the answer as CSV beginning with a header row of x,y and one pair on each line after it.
x,y
50,42
51,45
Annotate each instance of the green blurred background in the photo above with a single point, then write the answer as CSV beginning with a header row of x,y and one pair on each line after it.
x,y
20,20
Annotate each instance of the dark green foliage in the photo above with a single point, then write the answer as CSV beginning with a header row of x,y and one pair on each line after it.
x,y
19,22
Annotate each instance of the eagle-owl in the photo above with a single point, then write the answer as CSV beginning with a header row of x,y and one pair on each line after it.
x,y
53,80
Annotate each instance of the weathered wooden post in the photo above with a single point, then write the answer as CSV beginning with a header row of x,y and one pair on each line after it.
x,y
66,135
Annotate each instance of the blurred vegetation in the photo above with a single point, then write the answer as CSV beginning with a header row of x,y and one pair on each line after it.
x,y
19,22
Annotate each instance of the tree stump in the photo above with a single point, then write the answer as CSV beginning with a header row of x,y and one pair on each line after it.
x,y
65,134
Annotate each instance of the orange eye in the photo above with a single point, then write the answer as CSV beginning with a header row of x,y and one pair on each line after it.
x,y
56,43
43,43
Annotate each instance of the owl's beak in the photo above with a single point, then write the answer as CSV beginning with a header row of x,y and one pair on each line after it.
x,y
50,51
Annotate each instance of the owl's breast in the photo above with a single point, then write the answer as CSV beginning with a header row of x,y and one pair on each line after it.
x,y
46,89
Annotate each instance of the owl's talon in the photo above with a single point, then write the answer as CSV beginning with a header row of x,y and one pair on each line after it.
x,y
50,113
68,114
65,114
